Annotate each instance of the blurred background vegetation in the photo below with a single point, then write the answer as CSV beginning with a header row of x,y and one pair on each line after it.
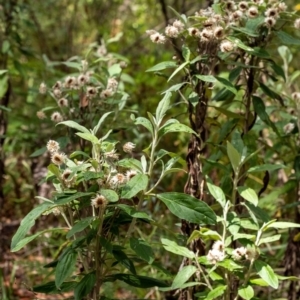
x,y
34,37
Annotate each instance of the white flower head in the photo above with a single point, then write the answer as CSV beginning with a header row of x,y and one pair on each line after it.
x,y
43,88
171,31
128,147
52,146
288,128
227,46
215,256
252,12
194,31
158,38
239,253
297,23
179,25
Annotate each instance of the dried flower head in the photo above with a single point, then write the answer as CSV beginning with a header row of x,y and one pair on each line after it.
x,y
218,32
296,96
158,38
63,102
99,201
215,256
230,5
194,32
236,16
123,64
179,25
106,94
239,253
243,6
57,93
56,117
101,51
270,22
297,23
112,154
218,245
226,46
41,115
259,2
112,84
130,174
57,85
58,158
66,175
271,12
43,88
206,35
209,23
251,254
252,12
84,65
56,211
91,92
52,146
128,147
83,79
282,7
171,31
70,81
288,128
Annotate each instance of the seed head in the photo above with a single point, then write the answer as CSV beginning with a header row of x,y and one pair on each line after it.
x,y
70,81
270,22
252,12
57,85
209,23
112,84
83,79
112,154
218,32
41,115
271,13
206,35
99,201
106,94
179,25
243,6
130,174
171,31
91,92
226,46
101,51
63,102
230,5
43,88
52,146
239,253
237,15
251,254
84,65
218,245
297,24
56,117
128,147
282,7
58,158
194,32
158,38
288,128
296,96
57,93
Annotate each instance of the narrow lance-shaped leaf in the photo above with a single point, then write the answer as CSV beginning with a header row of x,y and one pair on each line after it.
x,y
103,117
178,69
248,194
234,156
162,107
176,249
74,125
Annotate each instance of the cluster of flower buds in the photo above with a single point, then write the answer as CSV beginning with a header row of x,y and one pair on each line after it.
x,y
215,27
217,253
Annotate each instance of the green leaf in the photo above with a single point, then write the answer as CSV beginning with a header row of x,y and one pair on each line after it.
x,y
27,240
217,193
144,122
176,249
234,156
188,208
28,222
266,167
110,195
74,125
216,292
131,163
136,280
207,78
65,267
131,211
239,43
88,136
175,87
176,127
85,286
266,273
245,30
103,117
246,292
229,264
270,93
136,184
64,200
259,281
162,107
297,167
123,259
186,53
183,276
162,66
287,39
178,69
248,194
142,249
54,170
50,287
38,152
270,239
228,113
227,84
260,109
79,226
283,225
